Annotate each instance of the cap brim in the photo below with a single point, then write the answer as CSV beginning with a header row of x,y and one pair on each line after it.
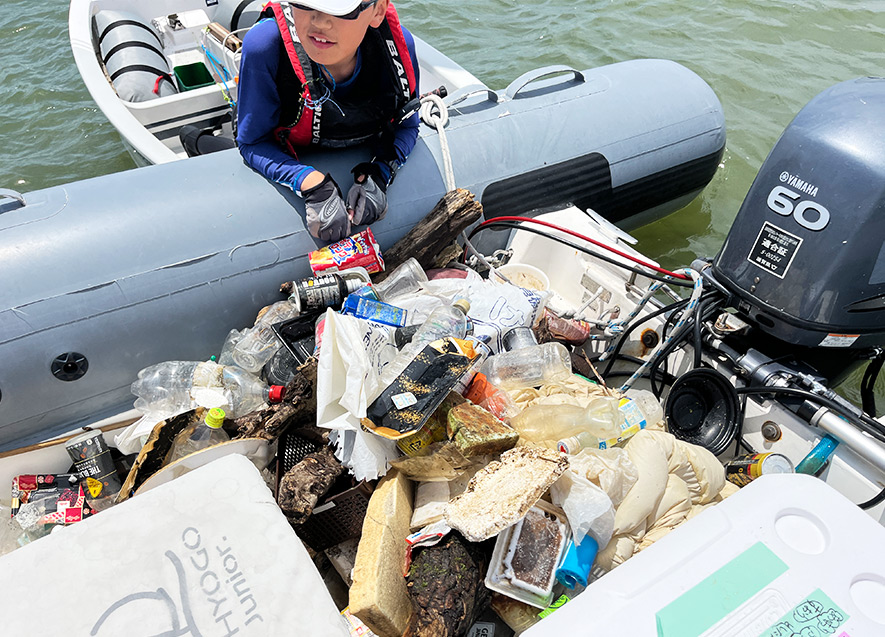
x,y
332,7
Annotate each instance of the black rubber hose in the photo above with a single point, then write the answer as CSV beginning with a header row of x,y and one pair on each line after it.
x,y
864,423
876,499
867,385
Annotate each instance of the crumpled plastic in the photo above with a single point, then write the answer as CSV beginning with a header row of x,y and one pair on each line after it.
x,y
610,469
588,509
348,380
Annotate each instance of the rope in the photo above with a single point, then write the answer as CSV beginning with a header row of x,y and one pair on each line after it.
x,y
435,113
680,324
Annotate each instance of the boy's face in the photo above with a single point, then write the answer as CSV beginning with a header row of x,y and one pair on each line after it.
x,y
331,41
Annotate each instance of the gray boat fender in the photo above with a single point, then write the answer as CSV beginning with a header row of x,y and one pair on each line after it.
x,y
132,52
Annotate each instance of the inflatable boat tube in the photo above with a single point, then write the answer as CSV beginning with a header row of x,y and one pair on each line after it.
x,y
106,276
132,53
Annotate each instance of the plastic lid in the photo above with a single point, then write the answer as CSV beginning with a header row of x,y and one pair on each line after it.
x,y
276,393
215,418
463,305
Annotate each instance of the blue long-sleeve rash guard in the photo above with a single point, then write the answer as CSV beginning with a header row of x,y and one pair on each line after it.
x,y
258,109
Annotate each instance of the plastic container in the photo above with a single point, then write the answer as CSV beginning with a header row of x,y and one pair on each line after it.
x,y
525,276
205,434
259,343
529,367
407,279
175,386
448,320
192,76
703,409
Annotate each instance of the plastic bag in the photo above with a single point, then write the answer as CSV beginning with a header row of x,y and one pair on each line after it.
x,y
348,380
588,509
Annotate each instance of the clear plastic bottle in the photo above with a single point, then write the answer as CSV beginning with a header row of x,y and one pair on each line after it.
x,y
205,434
175,386
528,367
259,343
448,320
550,423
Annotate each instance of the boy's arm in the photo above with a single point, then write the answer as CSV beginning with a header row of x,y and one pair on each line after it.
x,y
258,110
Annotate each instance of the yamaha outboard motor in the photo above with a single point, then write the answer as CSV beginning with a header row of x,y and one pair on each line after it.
x,y
805,257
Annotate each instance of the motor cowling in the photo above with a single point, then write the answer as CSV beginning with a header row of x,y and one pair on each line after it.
x,y
805,256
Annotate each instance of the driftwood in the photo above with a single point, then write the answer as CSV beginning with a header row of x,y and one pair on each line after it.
x,y
445,583
298,406
430,240
306,482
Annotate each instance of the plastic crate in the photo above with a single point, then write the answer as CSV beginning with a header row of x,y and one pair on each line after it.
x,y
339,515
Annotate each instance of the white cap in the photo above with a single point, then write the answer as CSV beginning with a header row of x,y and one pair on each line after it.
x,y
332,7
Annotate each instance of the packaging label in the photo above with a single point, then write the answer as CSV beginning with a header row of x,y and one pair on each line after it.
x,y
401,401
774,250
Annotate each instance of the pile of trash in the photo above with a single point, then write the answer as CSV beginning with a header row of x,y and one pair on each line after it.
x,y
425,435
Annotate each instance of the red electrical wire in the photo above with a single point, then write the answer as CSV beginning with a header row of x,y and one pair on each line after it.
x,y
599,244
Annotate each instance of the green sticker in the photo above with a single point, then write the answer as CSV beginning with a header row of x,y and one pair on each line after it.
x,y
815,616
721,593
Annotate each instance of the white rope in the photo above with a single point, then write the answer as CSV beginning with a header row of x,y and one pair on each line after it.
x,y
435,113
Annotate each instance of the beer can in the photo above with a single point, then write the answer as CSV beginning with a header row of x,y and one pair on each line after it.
x,y
320,292
94,465
744,469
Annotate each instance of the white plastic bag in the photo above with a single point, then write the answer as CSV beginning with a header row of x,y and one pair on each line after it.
x,y
352,354
587,507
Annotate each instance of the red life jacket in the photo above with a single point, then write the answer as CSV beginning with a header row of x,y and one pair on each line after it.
x,y
305,126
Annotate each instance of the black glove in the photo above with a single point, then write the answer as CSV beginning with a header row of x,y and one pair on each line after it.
x,y
326,216
367,198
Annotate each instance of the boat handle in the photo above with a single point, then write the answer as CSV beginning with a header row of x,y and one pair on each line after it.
x,y
12,194
527,78
468,91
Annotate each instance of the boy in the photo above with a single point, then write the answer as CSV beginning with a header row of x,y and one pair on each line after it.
x,y
330,73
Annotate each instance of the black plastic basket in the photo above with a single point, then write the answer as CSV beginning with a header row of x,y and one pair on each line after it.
x,y
339,515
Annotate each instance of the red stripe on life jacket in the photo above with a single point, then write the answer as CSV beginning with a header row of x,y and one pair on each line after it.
x,y
396,30
300,132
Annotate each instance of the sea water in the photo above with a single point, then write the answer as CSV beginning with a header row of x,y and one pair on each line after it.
x,y
765,59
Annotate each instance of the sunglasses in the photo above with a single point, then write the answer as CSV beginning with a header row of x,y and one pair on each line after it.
x,y
352,15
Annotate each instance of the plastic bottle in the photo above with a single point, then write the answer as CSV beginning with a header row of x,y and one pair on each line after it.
x,y
448,320
407,279
206,434
175,386
548,424
259,343
529,367
603,423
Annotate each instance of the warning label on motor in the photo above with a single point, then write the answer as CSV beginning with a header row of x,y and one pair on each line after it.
x,y
774,250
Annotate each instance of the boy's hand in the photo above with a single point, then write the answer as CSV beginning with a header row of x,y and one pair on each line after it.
x,y
327,218
366,199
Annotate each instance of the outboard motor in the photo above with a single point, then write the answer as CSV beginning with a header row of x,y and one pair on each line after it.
x,y
805,256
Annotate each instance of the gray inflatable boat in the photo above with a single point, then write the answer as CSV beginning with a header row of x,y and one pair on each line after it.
x,y
106,276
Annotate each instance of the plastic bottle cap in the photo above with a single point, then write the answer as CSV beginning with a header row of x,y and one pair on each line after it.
x,y
276,393
463,305
215,417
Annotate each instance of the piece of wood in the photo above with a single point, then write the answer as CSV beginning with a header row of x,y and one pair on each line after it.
x,y
433,235
306,482
445,584
299,406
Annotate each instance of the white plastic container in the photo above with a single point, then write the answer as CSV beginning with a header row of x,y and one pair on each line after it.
x,y
786,549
